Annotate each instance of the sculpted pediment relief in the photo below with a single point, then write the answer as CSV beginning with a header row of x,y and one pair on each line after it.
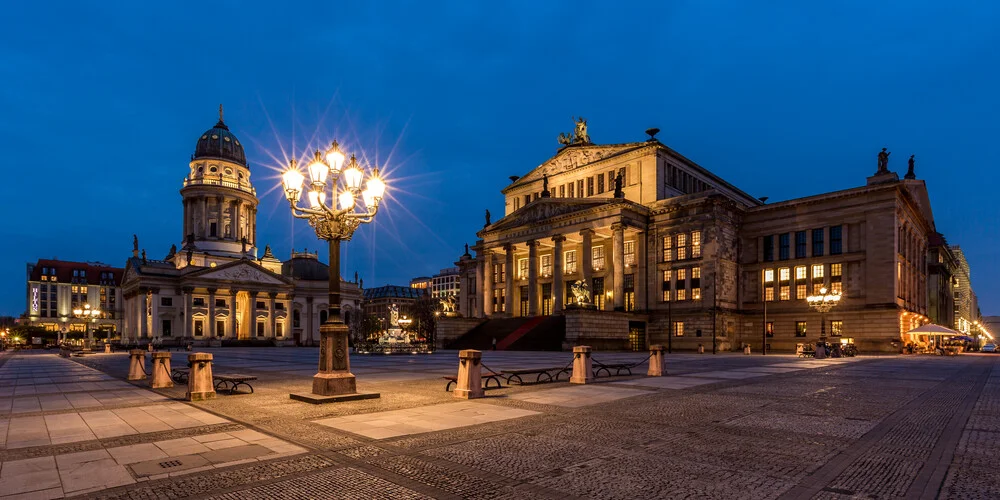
x,y
243,273
574,157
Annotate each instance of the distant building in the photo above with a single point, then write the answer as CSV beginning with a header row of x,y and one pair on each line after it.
x,y
941,265
423,283
446,283
377,301
966,303
56,287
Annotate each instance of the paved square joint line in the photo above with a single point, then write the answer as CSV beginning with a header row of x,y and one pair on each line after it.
x,y
575,397
388,424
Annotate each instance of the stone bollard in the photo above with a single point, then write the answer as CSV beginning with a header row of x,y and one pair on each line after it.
x,y
137,365
582,371
746,349
701,349
161,371
201,386
469,384
107,348
656,362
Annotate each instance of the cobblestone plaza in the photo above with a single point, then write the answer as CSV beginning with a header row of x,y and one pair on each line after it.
x,y
724,426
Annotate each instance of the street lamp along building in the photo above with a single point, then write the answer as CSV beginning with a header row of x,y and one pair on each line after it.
x,y
674,254
214,287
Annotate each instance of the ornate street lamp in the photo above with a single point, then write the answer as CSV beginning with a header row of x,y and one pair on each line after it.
x,y
823,303
336,222
86,314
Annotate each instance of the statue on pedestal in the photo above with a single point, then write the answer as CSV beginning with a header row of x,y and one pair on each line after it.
x,y
581,292
883,162
909,171
394,315
487,218
580,131
618,185
449,305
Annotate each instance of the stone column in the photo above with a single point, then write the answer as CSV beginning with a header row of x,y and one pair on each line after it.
x,y
137,364
586,258
188,321
487,283
640,275
532,278
618,265
204,217
201,386
469,384
308,337
656,362
558,289
582,371
480,288
508,299
187,219
232,314
161,371
154,312
253,314
235,220
211,313
270,313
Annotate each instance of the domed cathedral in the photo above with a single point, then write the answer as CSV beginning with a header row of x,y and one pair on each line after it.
x,y
214,289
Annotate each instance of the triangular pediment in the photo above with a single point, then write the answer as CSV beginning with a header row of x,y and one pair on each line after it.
x,y
546,208
241,271
576,156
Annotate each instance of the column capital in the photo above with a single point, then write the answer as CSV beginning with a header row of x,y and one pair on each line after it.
x,y
531,243
558,238
154,290
309,300
508,247
272,295
233,292
586,232
618,226
187,289
253,293
211,291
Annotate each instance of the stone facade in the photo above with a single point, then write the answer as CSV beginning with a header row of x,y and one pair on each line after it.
x,y
680,254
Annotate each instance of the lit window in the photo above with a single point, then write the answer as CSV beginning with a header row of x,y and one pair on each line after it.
x,y
668,248
817,270
800,292
678,328
800,272
667,275
598,258
522,269
836,288
681,294
570,262
800,328
836,269
629,253
769,294
784,292
769,276
681,246
546,265
836,328
681,274
695,293
696,244
816,288
695,272
783,274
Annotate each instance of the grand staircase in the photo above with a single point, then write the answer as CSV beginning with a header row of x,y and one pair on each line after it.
x,y
538,333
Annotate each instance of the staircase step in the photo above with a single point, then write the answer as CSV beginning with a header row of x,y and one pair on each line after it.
x,y
520,332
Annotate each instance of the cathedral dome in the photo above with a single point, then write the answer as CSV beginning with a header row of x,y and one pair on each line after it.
x,y
219,142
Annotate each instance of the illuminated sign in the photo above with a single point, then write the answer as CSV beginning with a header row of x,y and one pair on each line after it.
x,y
34,299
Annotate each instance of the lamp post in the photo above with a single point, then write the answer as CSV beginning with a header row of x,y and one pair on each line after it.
x,y
86,314
329,177
823,303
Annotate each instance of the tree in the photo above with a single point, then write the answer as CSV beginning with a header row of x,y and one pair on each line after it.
x,y
424,318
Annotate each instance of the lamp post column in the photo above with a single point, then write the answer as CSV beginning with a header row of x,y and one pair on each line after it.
x,y
334,376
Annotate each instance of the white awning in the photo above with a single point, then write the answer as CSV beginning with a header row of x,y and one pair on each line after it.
x,y
930,329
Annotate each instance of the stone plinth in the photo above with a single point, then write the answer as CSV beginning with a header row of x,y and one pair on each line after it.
x,y
469,384
582,371
201,386
657,367
107,348
334,382
137,364
746,349
161,371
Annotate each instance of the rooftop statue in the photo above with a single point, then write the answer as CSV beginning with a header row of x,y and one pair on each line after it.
x,y
580,133
883,161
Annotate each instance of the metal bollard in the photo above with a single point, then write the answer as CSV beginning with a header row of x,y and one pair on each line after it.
x,y
161,371
656,362
469,384
201,385
137,365
582,370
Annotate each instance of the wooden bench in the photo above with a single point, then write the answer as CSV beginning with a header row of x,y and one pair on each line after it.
x,y
486,376
617,367
230,381
542,372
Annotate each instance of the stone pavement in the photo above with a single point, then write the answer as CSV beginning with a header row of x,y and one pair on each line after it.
x,y
725,426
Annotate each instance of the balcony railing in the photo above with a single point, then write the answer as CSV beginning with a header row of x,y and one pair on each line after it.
x,y
211,181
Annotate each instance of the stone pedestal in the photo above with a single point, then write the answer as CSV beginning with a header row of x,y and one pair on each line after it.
x,y
582,371
701,349
334,382
746,349
137,364
470,383
657,366
161,371
107,348
200,383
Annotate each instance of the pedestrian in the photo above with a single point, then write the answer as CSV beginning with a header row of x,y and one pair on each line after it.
x,y
494,343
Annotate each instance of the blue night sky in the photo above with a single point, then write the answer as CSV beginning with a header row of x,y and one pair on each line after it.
x,y
102,102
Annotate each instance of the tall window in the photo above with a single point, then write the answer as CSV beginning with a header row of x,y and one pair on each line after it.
x,y
695,283
498,273
817,277
570,263
667,276
836,240
598,292
579,187
681,246
629,290
525,296
769,248
836,278
590,186
570,186
600,184
562,191
800,328
260,328
678,328
522,269
817,242
546,265
668,248
165,328
199,328
680,286
695,244
279,329
784,283
836,328
220,328
598,258
769,331
629,253
783,246
499,304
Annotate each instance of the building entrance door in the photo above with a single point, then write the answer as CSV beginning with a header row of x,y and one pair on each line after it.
x,y
524,301
637,335
546,299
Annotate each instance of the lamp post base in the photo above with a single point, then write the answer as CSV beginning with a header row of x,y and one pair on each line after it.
x,y
334,382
